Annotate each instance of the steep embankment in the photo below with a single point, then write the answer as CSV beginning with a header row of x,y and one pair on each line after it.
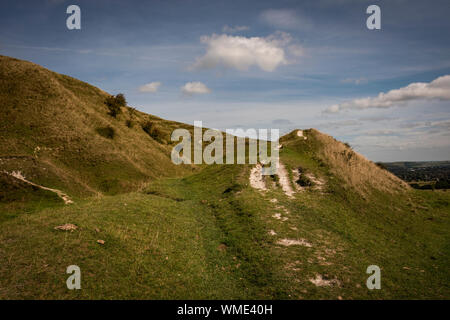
x,y
57,132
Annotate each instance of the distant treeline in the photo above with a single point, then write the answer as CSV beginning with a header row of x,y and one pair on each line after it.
x,y
421,175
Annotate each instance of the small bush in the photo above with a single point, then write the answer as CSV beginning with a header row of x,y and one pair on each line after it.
x,y
129,123
154,131
304,181
132,112
115,103
120,100
147,126
107,132
233,188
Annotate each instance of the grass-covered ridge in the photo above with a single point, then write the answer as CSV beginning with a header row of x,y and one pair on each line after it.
x,y
178,239
58,132
185,232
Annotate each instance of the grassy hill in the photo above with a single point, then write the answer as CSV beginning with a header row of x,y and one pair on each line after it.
x,y
57,131
197,232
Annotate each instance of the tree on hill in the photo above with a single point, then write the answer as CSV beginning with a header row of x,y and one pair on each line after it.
x,y
120,99
115,103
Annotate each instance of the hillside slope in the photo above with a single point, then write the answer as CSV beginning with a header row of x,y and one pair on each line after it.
x,y
352,171
185,232
51,130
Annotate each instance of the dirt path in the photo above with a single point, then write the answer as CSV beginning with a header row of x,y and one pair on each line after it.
x,y
284,180
256,178
62,195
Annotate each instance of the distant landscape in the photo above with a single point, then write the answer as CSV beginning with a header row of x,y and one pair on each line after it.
x,y
422,175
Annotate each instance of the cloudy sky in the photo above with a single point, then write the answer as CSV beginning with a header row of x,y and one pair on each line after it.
x,y
259,64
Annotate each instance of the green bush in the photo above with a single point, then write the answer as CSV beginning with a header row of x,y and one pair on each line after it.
x,y
107,132
154,131
147,126
120,100
115,103
304,181
129,123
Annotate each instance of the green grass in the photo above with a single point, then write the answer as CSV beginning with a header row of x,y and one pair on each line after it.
x,y
180,240
157,246
61,131
195,232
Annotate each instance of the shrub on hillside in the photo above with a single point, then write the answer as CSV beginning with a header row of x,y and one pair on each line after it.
x,y
154,131
131,111
348,145
147,126
120,100
129,123
107,132
304,181
115,103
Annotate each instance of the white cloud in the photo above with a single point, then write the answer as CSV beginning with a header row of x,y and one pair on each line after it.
x,y
284,19
231,29
150,87
436,89
191,88
241,53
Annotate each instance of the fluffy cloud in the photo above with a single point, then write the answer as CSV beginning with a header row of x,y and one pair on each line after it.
x,y
150,87
241,53
436,89
230,29
191,88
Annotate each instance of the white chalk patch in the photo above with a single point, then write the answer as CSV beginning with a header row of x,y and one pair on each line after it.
x,y
294,242
257,179
20,176
300,134
284,180
321,282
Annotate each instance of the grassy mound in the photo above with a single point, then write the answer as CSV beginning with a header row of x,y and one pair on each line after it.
x,y
63,128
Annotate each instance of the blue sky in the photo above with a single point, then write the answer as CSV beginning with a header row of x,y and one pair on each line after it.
x,y
259,64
